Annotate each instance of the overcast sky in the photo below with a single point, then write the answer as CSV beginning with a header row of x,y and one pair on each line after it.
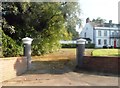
x,y
106,9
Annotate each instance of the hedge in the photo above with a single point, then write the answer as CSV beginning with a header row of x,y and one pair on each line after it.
x,y
90,45
74,45
10,47
68,45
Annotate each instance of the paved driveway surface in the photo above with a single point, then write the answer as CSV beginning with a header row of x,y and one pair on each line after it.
x,y
62,77
67,79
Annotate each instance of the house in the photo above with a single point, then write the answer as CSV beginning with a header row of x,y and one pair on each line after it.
x,y
119,12
107,34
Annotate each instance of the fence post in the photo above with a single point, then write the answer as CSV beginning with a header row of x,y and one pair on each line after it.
x,y
27,50
80,52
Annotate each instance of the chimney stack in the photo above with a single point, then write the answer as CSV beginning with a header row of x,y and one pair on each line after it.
x,y
110,23
87,20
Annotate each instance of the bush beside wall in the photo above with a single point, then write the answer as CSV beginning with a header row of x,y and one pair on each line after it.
x,y
10,47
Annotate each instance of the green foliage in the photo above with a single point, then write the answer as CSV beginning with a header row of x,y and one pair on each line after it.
x,y
44,47
68,45
52,29
74,45
1,44
106,52
71,12
99,21
9,46
89,45
46,22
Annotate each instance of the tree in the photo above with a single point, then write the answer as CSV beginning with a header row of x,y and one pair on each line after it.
x,y
99,21
42,21
71,12
45,22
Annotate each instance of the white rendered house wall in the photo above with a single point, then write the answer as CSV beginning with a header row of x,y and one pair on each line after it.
x,y
102,40
87,32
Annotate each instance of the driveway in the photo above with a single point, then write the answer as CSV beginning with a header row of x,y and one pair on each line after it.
x,y
60,74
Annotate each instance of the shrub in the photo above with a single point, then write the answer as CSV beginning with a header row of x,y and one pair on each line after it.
x,y
104,47
40,47
90,45
9,46
68,45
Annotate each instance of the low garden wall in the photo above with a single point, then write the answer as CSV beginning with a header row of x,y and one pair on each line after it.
x,y
102,64
12,67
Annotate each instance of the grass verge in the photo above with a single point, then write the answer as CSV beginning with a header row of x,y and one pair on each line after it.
x,y
106,52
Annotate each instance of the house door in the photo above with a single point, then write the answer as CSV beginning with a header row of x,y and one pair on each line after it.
x,y
114,43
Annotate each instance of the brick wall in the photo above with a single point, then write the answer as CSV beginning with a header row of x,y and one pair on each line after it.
x,y
12,67
102,64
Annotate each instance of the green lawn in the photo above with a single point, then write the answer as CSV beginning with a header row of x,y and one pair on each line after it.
x,y
71,53
94,52
106,52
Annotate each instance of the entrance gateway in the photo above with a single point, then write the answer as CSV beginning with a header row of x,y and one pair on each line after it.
x,y
79,54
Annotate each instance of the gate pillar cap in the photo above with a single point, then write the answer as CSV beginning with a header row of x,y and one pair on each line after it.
x,y
27,40
81,41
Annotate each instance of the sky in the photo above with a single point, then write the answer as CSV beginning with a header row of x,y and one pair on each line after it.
x,y
106,9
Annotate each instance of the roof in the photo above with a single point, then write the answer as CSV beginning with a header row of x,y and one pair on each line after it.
x,y
108,28
111,25
97,24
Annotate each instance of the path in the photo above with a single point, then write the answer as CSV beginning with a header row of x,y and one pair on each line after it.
x,y
45,75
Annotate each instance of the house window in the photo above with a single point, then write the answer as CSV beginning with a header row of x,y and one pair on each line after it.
x,y
105,33
85,35
99,41
99,33
105,42
112,33
87,28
